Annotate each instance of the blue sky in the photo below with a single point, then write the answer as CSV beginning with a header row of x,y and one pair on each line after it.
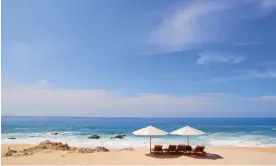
x,y
139,58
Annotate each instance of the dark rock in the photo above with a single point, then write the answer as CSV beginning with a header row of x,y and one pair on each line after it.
x,y
13,151
85,150
127,149
7,154
54,133
48,145
121,136
53,145
11,138
25,154
101,149
94,137
30,151
10,153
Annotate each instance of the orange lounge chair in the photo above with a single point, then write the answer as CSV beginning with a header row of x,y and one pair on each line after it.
x,y
181,148
199,150
158,149
189,149
171,149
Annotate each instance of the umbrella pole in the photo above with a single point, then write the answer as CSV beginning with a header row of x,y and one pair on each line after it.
x,y
188,140
150,144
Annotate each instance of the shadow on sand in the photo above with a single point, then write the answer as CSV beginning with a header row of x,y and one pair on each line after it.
x,y
164,156
207,156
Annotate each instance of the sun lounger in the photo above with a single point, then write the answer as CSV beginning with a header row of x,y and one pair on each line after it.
x,y
171,149
188,149
181,148
158,149
199,149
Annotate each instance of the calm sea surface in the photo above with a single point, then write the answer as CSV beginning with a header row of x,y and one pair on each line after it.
x,y
75,130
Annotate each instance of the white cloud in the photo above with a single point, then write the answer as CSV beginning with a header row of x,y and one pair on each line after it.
x,y
26,52
265,99
37,100
267,7
246,44
261,74
203,22
240,75
47,101
188,25
268,3
212,57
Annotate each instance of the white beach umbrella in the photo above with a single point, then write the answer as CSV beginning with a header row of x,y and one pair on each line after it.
x,y
150,131
187,131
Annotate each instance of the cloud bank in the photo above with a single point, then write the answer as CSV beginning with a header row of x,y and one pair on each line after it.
x,y
211,57
43,100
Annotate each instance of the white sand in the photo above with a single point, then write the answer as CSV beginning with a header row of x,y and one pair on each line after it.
x,y
231,155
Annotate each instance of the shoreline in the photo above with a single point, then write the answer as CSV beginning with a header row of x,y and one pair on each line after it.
x,y
140,148
114,149
143,142
256,148
215,155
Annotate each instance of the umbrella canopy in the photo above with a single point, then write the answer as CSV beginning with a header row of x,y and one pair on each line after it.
x,y
187,131
150,131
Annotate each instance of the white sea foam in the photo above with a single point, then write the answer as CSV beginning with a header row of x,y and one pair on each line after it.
x,y
239,140
212,140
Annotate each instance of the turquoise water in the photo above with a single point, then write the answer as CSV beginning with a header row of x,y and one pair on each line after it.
x,y
74,131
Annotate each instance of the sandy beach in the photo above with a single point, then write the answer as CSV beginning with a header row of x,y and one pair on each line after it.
x,y
219,155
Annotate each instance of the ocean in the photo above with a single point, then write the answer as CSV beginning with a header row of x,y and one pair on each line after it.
x,y
221,132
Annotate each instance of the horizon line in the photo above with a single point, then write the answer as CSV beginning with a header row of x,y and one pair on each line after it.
x,y
52,116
